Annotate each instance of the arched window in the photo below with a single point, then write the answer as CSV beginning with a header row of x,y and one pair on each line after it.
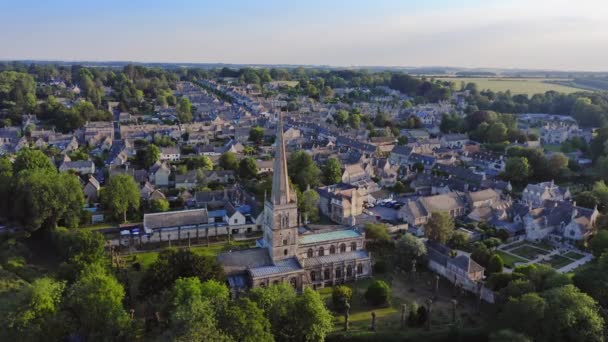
x,y
353,246
332,249
338,273
326,274
313,275
359,268
343,248
349,270
310,253
293,282
321,251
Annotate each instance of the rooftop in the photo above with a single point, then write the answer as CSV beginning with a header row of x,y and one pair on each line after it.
x,y
331,258
282,266
329,236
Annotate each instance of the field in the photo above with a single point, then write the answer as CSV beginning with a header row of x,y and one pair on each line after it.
x,y
528,86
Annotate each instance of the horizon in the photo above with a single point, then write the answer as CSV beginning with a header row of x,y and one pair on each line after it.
x,y
545,35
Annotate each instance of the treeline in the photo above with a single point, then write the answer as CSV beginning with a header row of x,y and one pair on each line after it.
x,y
590,109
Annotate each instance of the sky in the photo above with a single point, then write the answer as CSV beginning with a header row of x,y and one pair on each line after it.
x,y
523,34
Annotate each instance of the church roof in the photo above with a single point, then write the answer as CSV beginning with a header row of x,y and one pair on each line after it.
x,y
329,236
280,267
240,261
332,258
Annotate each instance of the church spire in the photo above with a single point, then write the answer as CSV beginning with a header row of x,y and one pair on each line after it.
x,y
280,180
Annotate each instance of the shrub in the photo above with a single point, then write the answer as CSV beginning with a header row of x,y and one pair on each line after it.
x,y
340,295
378,293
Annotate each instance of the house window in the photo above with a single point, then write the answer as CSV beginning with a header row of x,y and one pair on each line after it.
x,y
235,220
321,251
342,248
353,246
349,270
326,274
310,253
332,249
360,269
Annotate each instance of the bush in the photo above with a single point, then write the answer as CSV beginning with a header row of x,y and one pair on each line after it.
x,y
379,267
340,295
495,265
378,293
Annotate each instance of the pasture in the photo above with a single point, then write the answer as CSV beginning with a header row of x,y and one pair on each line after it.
x,y
528,86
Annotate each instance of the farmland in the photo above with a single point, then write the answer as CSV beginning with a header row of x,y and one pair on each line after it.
x,y
528,86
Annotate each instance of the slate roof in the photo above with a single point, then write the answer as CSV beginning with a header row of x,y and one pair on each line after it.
x,y
285,266
329,236
175,218
241,260
332,258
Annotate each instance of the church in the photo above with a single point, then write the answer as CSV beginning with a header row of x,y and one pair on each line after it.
x,y
289,252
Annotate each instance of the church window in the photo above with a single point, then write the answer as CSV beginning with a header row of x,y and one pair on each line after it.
x,y
359,268
285,252
349,270
310,253
293,282
338,273
276,282
321,251
326,274
284,241
332,249
342,248
353,246
313,276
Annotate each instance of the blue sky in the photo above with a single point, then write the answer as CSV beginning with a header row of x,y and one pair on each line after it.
x,y
556,34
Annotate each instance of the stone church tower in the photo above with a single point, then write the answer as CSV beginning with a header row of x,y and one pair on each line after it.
x,y
281,211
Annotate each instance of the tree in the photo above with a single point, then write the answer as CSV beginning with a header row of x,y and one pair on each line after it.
x,y
481,254
44,198
95,300
378,293
256,135
575,313
248,168
311,319
121,194
151,155
458,240
173,264
159,205
558,163
409,248
35,312
245,321
309,205
599,243
192,317
341,117
439,227
497,132
340,295
377,231
517,169
525,314
332,171
184,110
28,159
79,246
495,265
354,120
228,161
303,171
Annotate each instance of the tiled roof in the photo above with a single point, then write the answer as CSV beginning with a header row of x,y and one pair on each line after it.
x,y
176,218
329,236
240,261
280,267
332,258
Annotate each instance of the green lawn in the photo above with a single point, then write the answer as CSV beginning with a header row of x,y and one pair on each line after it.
x,y
509,260
528,86
99,226
528,252
543,245
558,261
574,255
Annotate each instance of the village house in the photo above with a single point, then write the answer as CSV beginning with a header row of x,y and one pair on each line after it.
x,y
83,167
170,154
535,195
340,202
417,212
91,190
